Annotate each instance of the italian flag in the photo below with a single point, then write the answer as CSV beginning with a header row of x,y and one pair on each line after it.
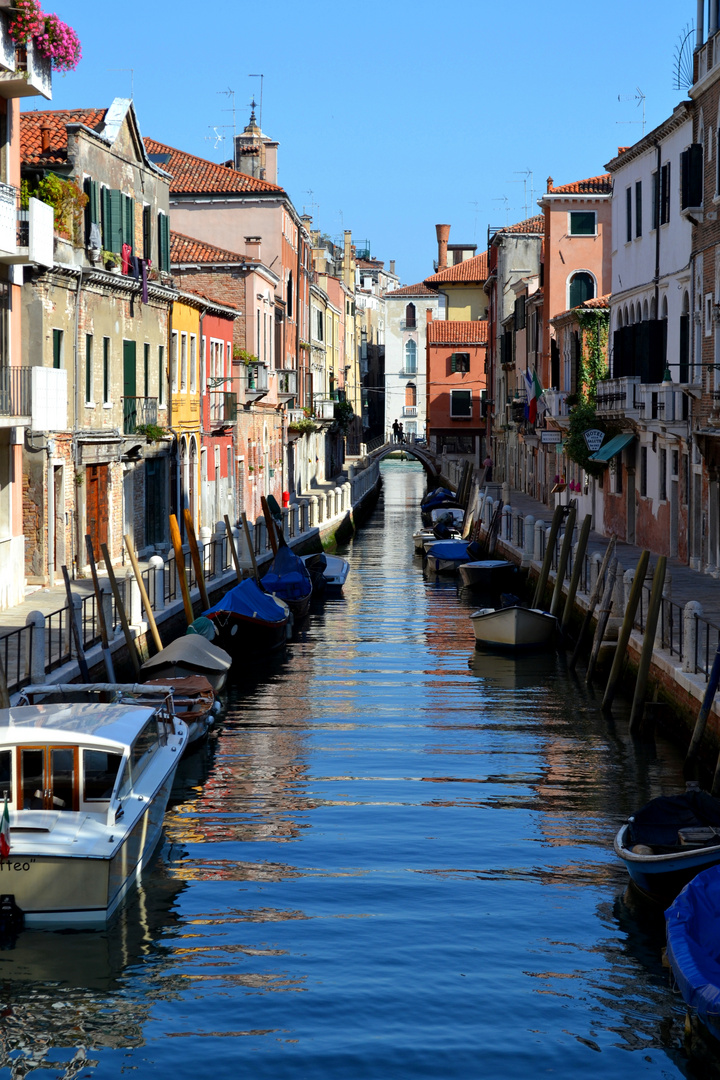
x,y
5,832
534,392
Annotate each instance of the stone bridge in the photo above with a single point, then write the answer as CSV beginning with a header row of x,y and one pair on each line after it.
x,y
423,455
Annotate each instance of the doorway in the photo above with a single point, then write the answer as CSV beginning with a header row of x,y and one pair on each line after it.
x,y
96,506
47,777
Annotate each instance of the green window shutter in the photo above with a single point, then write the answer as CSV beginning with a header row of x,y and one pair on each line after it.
x,y
453,363
113,235
164,242
57,348
128,221
88,366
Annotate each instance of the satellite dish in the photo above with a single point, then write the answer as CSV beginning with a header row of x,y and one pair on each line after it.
x,y
683,62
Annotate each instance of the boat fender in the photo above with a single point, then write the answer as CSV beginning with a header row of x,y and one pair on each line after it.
x,y
12,920
642,849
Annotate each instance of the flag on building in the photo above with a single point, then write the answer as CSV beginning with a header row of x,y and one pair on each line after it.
x,y
534,392
5,832
529,389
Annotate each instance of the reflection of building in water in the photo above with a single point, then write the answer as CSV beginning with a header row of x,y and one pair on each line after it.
x,y
67,991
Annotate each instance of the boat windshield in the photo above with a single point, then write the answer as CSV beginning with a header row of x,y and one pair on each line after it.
x,y
6,787
100,769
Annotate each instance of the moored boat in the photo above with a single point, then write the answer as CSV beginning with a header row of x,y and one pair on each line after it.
x,y
334,570
493,575
87,786
513,627
670,840
189,655
249,621
693,946
445,556
288,580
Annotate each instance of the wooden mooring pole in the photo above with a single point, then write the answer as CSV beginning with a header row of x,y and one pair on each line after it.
x,y
104,636
701,722
143,593
251,549
76,628
593,602
626,629
233,549
563,561
196,560
603,616
180,568
549,552
129,639
577,571
638,705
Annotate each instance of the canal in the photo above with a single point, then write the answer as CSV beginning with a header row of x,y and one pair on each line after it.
x,y
393,859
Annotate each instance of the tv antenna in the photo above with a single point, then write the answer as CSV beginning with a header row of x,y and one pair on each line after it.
x,y
313,204
216,139
229,94
527,175
261,78
476,205
640,98
683,64
504,199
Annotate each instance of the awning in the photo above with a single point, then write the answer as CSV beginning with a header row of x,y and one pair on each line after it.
x,y
610,449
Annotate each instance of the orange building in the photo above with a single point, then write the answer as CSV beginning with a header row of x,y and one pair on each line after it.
x,y
456,384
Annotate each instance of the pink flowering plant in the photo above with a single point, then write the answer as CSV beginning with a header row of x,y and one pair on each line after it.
x,y
53,38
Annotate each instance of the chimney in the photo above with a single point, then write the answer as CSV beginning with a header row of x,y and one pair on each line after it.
x,y
252,247
443,235
392,266
428,315
45,137
549,184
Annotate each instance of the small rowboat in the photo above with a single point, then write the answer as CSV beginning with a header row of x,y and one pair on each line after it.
x,y
445,556
513,627
668,841
333,573
248,621
189,655
693,946
492,575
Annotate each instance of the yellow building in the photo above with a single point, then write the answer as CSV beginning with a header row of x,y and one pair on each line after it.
x,y
460,279
184,418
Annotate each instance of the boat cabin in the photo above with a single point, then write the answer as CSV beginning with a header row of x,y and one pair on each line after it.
x,y
76,757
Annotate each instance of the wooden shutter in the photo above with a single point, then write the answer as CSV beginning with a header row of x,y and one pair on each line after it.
x,y
112,220
164,241
128,221
453,363
147,232
691,176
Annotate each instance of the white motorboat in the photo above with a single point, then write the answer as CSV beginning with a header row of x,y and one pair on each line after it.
x,y
87,785
490,574
451,515
424,537
513,627
444,556
335,570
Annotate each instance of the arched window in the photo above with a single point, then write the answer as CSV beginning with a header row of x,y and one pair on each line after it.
x,y
653,309
581,288
645,310
411,356
619,319
628,316
410,317
411,395
664,309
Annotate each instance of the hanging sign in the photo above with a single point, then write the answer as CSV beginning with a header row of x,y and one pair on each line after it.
x,y
551,436
593,439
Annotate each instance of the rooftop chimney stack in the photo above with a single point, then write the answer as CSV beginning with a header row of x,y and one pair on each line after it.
x,y
253,245
45,138
443,235
392,266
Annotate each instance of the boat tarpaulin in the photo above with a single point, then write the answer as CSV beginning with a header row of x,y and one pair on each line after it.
x,y
610,449
693,944
288,576
657,823
449,549
248,599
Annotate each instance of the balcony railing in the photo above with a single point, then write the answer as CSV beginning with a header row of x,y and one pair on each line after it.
x,y
408,324
325,409
286,384
25,72
619,396
412,370
223,408
256,381
15,391
555,401
409,410
138,412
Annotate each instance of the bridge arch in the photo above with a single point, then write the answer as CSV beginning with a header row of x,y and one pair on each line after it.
x,y
426,459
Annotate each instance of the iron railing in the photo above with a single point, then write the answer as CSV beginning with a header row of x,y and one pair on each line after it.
x,y
15,391
139,412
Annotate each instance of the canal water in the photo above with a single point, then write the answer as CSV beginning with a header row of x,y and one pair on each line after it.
x,y
392,860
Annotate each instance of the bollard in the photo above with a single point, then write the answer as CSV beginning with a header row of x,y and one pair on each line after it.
x,y
529,528
637,580
157,565
36,620
312,511
538,541
219,552
595,561
260,536
132,599
204,539
488,509
506,530
691,612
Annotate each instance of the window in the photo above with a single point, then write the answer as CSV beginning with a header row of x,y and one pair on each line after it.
x,y
128,221
691,176
6,774
461,404
643,470
88,368
111,210
174,362
665,194
662,485
290,296
411,396
147,231
410,317
638,208
519,313
161,374
146,371
411,357
582,223
100,769
91,188
106,370
193,363
319,325
460,361
581,288
163,241
628,214
655,206
58,348
146,742
183,362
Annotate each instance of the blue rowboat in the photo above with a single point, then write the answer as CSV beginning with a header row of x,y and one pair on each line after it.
x,y
693,946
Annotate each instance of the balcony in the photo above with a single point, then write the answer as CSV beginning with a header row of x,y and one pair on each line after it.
x,y
325,409
411,372
619,397
410,324
286,385
24,72
256,382
409,410
26,236
295,416
15,396
555,401
138,412
223,408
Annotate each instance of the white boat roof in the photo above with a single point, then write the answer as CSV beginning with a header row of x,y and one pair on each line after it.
x,y
73,722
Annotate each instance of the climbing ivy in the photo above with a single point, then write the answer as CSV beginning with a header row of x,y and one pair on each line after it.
x,y
593,367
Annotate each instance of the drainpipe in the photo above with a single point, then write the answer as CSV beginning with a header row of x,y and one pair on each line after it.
x,y
76,418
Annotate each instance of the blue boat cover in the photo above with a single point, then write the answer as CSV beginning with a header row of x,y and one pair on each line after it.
x,y
658,822
693,944
436,496
287,577
249,600
449,549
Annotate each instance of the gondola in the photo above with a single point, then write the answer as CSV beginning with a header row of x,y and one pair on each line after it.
x,y
693,946
288,580
249,621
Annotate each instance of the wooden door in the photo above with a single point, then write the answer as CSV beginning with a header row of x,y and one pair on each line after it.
x,y
48,778
96,506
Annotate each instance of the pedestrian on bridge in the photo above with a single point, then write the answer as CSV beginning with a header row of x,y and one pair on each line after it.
x,y
396,431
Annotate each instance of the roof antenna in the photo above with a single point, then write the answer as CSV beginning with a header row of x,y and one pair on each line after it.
x,y
640,98
527,174
260,77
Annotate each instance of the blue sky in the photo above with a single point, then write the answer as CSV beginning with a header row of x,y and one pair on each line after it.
x,y
391,116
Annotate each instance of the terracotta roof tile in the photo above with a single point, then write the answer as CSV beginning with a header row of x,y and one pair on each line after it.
x,y
475,269
31,124
411,290
443,331
185,249
530,225
209,299
193,175
594,185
